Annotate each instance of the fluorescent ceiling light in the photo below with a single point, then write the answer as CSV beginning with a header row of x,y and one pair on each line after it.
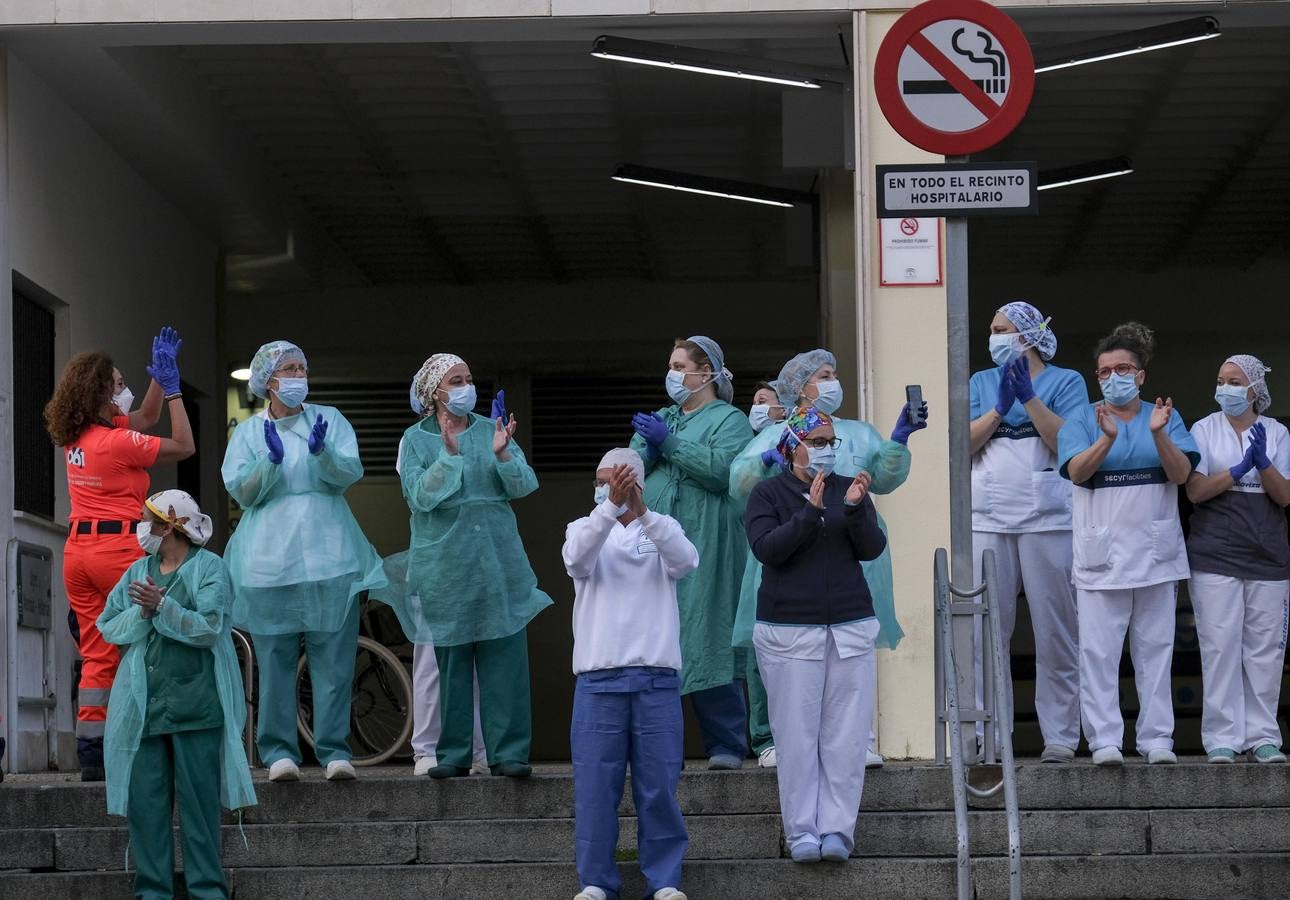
x,y
1094,171
711,62
240,374
1143,40
711,187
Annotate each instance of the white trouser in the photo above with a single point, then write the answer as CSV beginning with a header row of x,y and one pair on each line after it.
x,y
1040,564
425,705
1242,629
1147,614
820,713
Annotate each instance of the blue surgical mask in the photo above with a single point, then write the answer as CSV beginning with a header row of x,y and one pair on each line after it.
x,y
676,389
1005,348
830,397
602,493
292,391
1119,390
1233,399
759,417
461,400
415,401
820,460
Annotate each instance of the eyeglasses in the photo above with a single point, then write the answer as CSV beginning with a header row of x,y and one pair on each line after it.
x,y
821,443
1122,369
292,369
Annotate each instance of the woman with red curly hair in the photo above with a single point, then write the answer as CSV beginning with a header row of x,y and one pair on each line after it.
x,y
107,480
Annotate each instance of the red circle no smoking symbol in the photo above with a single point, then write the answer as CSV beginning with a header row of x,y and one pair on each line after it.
x,y
909,226
954,76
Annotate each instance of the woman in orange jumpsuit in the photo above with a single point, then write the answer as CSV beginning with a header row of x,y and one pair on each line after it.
x,y
107,480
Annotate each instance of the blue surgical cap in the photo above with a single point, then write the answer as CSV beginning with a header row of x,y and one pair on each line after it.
x,y
1033,327
797,372
722,377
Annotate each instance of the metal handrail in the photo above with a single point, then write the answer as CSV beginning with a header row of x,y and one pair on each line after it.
x,y
248,675
994,706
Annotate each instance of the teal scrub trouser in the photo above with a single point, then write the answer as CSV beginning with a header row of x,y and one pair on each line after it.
x,y
504,712
187,763
331,674
758,711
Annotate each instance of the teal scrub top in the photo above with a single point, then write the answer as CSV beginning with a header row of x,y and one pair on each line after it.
x,y
181,678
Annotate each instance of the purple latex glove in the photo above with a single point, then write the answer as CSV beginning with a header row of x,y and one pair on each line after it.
x,y
1259,446
317,436
772,457
1018,374
1006,393
651,427
274,442
498,410
904,428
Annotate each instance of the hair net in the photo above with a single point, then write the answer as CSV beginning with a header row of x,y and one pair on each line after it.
x,y
624,456
722,377
267,360
802,422
427,380
1254,370
178,508
1033,327
797,372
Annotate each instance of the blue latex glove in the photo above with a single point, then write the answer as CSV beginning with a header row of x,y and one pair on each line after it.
x,y
651,427
772,457
1259,446
1019,375
273,441
1006,392
904,428
1239,470
164,369
316,436
168,342
499,406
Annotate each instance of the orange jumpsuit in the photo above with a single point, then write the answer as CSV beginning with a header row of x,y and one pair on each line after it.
x,y
107,478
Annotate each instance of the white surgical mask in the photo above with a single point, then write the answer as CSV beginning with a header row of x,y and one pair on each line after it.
x,y
461,400
830,396
150,542
1005,348
759,417
124,400
292,391
1233,399
820,461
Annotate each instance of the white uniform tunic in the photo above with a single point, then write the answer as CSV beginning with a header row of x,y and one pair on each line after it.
x,y
1021,509
1240,589
1129,557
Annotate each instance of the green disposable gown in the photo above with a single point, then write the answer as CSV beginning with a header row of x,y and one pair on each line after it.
x,y
688,480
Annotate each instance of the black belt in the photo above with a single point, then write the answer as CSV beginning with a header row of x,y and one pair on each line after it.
x,y
105,526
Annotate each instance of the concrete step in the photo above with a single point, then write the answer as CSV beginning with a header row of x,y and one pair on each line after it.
x,y
391,794
1137,877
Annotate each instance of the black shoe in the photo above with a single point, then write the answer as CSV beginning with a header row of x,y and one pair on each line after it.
x,y
446,771
513,769
92,773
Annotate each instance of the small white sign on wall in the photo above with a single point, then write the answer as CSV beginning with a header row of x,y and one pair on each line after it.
x,y
911,252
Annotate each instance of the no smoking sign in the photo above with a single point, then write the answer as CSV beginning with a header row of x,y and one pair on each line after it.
x,y
954,76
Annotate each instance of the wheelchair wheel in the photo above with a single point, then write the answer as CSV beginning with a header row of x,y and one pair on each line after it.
x,y
380,720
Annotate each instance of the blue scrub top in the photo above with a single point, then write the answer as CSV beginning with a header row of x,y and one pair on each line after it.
x,y
1133,456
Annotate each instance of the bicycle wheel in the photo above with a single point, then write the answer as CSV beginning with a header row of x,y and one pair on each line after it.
x,y
380,718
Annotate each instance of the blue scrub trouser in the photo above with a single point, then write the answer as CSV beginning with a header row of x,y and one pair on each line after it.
x,y
723,719
620,716
331,676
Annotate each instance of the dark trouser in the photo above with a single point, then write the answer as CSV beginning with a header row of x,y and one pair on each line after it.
x,y
504,712
187,763
723,718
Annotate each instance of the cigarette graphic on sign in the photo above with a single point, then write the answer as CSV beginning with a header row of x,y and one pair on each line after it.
x,y
989,55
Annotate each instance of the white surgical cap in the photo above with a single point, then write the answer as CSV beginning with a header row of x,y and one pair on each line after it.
x,y
268,359
1033,327
722,377
178,508
624,456
428,378
797,372
1255,371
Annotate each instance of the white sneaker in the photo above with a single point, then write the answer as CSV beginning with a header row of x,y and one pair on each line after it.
x,y
284,770
1161,756
873,759
1056,753
669,893
1108,756
591,893
767,759
341,770
480,767
423,765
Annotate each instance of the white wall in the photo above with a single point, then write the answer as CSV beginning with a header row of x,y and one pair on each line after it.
x,y
92,233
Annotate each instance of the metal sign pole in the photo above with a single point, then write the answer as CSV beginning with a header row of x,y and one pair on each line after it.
x,y
956,297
